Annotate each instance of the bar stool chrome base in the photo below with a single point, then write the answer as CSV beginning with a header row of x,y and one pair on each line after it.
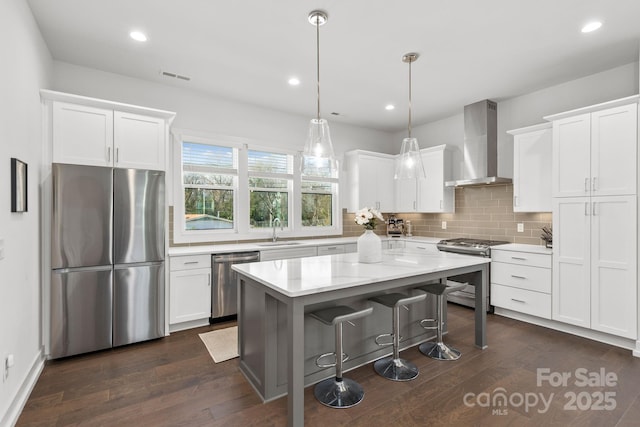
x,y
339,394
396,369
439,351
393,367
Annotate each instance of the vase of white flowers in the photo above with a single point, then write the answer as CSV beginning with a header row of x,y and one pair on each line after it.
x,y
369,244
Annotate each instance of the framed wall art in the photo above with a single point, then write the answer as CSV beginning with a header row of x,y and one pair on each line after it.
x,y
18,186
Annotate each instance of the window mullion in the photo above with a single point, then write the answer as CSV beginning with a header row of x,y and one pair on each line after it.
x,y
242,201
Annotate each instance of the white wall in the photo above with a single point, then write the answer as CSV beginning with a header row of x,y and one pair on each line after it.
x,y
26,67
201,112
528,109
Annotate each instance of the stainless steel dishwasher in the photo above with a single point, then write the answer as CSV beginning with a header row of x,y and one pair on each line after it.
x,y
224,294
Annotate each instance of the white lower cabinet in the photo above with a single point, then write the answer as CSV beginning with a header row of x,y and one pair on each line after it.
x,y
273,254
521,281
421,246
595,263
337,249
190,289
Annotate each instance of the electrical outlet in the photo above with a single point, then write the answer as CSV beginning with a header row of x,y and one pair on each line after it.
x,y
444,225
520,227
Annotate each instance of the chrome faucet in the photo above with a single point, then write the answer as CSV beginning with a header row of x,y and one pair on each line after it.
x,y
275,223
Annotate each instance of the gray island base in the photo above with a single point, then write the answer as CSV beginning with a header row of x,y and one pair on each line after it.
x,y
278,344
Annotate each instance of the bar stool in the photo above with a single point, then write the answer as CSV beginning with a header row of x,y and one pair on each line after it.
x,y
439,350
393,367
338,392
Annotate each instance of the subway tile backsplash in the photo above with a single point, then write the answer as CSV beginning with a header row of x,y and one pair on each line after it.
x,y
483,212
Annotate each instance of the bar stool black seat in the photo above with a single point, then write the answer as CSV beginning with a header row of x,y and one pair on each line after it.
x,y
338,392
393,367
438,349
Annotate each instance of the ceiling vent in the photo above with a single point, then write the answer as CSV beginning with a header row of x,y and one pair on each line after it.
x,y
175,76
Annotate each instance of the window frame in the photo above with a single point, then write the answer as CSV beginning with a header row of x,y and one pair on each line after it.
x,y
242,229
289,190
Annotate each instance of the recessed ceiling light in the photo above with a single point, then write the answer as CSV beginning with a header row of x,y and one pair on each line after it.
x,y
138,36
591,26
294,81
390,107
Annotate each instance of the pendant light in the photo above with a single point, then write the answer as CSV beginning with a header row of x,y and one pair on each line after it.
x,y
409,165
318,153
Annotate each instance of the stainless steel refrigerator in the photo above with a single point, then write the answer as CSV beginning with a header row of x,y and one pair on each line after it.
x,y
107,258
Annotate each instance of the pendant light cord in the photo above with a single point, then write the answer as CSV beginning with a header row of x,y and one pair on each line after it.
x,y
318,62
410,98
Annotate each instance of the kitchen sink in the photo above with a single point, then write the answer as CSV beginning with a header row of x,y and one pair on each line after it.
x,y
279,244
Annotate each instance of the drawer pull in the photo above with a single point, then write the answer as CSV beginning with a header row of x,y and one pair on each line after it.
x,y
518,300
421,247
518,258
518,277
332,248
191,262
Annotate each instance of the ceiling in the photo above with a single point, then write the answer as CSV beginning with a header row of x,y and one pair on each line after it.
x,y
246,50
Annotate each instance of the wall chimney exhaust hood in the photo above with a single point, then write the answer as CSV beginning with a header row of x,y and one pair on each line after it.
x,y
480,164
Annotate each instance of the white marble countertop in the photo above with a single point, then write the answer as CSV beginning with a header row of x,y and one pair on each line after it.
x,y
305,276
262,246
519,247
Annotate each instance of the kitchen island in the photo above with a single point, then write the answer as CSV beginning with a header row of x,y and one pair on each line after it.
x,y
278,344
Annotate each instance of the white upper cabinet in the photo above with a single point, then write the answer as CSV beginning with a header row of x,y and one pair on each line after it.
x,y
532,168
82,135
433,196
371,182
594,152
429,194
614,142
139,141
88,131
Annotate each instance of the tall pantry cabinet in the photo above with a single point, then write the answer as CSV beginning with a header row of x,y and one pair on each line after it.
x,y
594,188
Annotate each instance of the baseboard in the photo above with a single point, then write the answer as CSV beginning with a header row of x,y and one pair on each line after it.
x,y
571,329
188,325
10,418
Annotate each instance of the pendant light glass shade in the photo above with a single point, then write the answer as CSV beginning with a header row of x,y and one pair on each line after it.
x,y
318,158
409,164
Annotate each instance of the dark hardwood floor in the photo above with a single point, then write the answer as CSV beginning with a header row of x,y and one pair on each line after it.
x,y
174,382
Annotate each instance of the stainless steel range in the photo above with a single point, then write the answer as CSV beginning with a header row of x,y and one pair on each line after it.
x,y
475,247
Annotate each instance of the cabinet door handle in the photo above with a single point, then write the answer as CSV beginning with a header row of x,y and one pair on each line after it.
x,y
108,154
518,300
518,277
593,209
586,209
518,258
440,204
593,185
209,279
586,185
414,205
117,155
515,200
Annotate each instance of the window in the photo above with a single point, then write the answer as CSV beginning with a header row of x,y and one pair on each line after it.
x,y
209,179
317,195
231,189
270,183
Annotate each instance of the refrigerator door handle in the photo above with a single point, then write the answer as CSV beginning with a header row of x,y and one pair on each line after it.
x,y
82,269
